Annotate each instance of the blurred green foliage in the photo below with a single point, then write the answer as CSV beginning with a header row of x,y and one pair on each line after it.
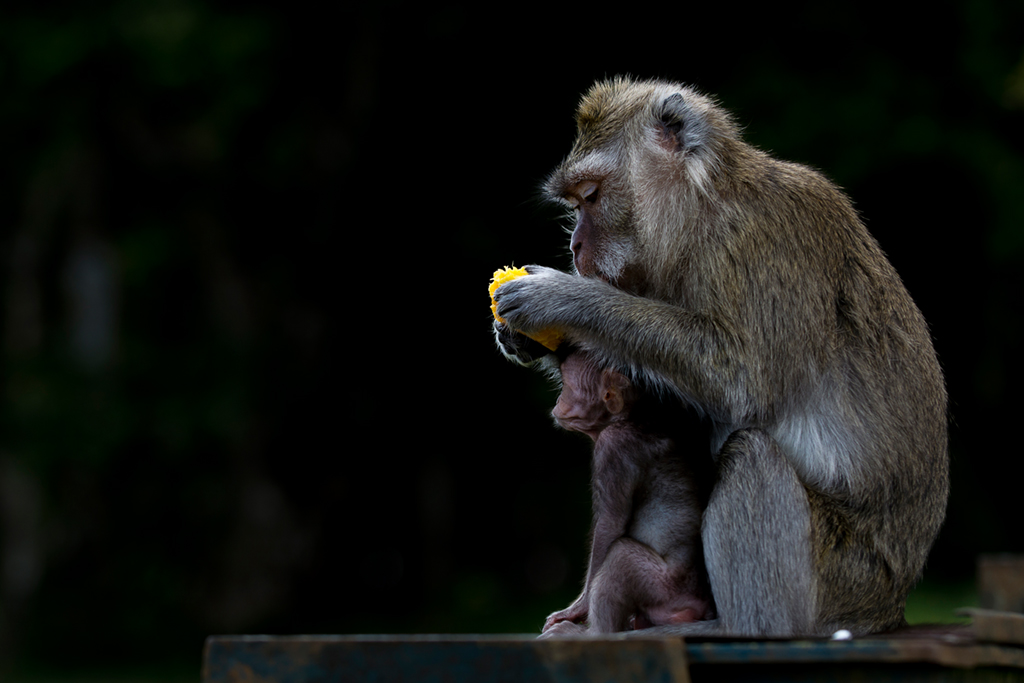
x,y
936,602
248,382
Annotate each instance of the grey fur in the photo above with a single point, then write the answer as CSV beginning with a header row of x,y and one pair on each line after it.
x,y
756,295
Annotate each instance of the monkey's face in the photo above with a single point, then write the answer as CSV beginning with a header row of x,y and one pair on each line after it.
x,y
603,241
580,407
641,160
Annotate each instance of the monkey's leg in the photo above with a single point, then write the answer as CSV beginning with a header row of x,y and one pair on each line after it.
x,y
757,545
628,572
757,541
635,579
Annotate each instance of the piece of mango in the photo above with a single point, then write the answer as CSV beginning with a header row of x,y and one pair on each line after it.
x,y
550,339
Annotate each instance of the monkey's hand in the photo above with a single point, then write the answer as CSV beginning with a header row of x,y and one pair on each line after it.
x,y
575,613
547,299
518,347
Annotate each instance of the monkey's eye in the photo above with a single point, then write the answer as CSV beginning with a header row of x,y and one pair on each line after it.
x,y
572,201
588,190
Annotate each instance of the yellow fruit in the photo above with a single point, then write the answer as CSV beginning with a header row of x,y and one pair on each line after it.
x,y
550,339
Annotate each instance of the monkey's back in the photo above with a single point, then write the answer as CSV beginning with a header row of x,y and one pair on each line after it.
x,y
864,416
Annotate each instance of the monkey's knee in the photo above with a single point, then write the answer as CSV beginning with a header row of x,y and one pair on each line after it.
x,y
753,454
757,488
631,576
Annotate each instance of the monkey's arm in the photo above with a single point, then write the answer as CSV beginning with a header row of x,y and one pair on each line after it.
x,y
643,334
616,478
617,475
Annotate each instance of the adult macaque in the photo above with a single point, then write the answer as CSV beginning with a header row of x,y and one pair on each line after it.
x,y
646,561
749,288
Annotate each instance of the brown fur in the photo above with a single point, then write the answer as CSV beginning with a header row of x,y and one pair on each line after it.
x,y
646,562
749,288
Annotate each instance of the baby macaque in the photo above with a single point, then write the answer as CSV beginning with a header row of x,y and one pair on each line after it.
x,y
646,561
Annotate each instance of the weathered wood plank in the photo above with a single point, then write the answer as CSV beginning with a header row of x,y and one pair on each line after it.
x,y
330,659
947,654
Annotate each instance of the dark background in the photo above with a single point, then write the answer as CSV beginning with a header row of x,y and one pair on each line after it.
x,y
248,382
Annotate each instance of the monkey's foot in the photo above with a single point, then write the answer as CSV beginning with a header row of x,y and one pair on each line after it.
x,y
562,629
576,612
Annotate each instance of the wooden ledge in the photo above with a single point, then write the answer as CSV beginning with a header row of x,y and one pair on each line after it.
x,y
939,653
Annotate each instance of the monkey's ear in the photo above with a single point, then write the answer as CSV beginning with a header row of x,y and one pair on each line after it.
x,y
614,402
614,384
681,126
